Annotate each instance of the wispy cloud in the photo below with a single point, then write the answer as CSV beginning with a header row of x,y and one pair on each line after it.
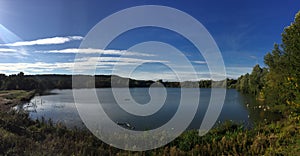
x,y
85,65
7,50
13,53
253,57
86,68
97,51
38,67
119,61
199,62
44,41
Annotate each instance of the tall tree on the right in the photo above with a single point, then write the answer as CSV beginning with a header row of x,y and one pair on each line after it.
x,y
283,79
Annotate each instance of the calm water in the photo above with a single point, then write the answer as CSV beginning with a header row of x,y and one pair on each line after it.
x,y
59,106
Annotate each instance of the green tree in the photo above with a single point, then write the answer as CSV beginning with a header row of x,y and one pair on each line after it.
x,y
256,80
243,83
291,47
282,85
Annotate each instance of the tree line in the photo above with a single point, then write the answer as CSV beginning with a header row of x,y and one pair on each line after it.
x,y
53,81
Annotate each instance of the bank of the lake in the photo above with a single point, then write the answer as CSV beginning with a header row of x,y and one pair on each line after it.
x,y
12,98
20,135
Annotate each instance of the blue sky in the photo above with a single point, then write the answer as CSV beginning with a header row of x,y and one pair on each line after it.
x,y
41,37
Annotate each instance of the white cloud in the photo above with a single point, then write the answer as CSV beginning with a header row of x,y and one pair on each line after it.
x,y
30,67
84,65
86,68
13,53
97,51
199,62
44,41
120,62
253,57
40,67
7,50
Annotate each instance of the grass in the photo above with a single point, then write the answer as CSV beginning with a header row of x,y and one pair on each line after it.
x,y
19,95
11,98
21,136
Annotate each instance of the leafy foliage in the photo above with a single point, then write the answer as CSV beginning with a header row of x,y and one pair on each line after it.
x,y
252,83
279,83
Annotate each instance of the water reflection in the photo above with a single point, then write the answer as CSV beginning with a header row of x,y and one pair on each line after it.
x,y
59,106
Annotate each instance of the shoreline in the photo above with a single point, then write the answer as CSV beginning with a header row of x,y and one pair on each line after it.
x,y
11,98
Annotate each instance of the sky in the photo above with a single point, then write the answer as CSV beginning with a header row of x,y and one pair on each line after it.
x,y
43,37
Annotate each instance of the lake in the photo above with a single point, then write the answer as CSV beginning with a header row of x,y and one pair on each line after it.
x,y
59,106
